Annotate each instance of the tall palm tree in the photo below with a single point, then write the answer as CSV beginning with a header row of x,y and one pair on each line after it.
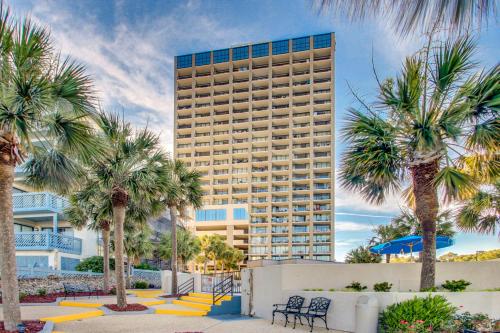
x,y
424,122
46,104
134,174
408,17
184,191
93,211
215,249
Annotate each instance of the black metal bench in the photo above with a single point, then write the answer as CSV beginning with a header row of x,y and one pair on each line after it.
x,y
292,307
318,308
74,289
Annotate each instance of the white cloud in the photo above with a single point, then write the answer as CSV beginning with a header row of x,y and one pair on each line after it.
x,y
132,63
353,226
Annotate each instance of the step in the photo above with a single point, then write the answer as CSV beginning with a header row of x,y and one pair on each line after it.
x,y
80,304
199,300
209,295
199,306
176,312
75,316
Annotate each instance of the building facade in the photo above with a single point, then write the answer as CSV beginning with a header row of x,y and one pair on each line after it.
x,y
257,121
44,239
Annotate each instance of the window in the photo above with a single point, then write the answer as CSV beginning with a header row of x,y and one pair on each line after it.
x,y
210,215
221,56
240,214
202,58
32,261
280,47
300,44
240,53
22,228
69,264
321,41
184,61
260,50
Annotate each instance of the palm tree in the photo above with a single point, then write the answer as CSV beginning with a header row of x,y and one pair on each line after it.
x,y
230,258
384,234
424,122
188,246
408,17
184,191
92,211
46,107
215,249
134,175
407,223
481,213
137,244
362,255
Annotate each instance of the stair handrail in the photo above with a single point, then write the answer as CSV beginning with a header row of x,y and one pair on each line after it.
x,y
186,287
223,288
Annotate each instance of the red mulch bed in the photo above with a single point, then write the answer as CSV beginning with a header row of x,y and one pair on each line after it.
x,y
130,307
51,298
32,326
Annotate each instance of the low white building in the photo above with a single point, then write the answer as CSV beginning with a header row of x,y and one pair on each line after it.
x,y
44,239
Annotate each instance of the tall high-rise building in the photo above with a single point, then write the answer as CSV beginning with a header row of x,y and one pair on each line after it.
x,y
257,120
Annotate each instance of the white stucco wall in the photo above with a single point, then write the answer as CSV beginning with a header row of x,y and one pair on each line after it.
x,y
166,280
264,286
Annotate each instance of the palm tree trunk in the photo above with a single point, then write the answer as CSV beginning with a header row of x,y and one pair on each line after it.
x,y
105,256
388,258
10,287
119,200
426,209
205,263
173,259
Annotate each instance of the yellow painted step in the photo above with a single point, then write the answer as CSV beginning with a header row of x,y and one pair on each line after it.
x,y
199,300
210,296
199,306
75,316
176,312
79,304
150,303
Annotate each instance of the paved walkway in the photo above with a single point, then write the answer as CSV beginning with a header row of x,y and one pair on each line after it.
x,y
174,324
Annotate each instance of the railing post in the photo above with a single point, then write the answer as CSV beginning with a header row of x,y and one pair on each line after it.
x,y
232,285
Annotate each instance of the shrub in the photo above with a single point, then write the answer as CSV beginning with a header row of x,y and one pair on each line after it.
x,y
22,295
382,286
141,285
41,292
307,289
112,291
331,289
431,313
146,266
94,264
356,286
430,289
455,285
477,322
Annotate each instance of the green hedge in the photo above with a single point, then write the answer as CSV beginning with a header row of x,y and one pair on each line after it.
x,y
94,264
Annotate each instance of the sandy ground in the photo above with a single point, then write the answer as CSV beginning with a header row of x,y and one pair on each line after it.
x,y
37,312
176,324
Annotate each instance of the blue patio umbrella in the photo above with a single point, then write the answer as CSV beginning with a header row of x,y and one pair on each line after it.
x,y
409,244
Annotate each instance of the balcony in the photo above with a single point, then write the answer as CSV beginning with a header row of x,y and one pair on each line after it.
x,y
38,202
29,241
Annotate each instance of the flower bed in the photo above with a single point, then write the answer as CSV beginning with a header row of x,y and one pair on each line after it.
x,y
32,326
130,307
51,298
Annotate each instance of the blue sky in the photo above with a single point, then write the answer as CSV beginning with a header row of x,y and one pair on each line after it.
x,y
129,47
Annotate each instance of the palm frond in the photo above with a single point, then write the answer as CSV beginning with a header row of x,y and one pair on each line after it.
x,y
456,184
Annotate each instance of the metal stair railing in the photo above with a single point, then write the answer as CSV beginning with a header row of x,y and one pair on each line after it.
x,y
186,287
222,289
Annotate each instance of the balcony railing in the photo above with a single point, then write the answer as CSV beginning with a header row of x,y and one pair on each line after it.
x,y
48,241
38,201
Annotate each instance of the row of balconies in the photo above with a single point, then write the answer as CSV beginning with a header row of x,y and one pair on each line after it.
x,y
240,111
254,99
257,78
255,129
246,120
247,70
257,148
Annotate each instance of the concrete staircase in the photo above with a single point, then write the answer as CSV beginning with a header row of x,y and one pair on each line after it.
x,y
202,305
